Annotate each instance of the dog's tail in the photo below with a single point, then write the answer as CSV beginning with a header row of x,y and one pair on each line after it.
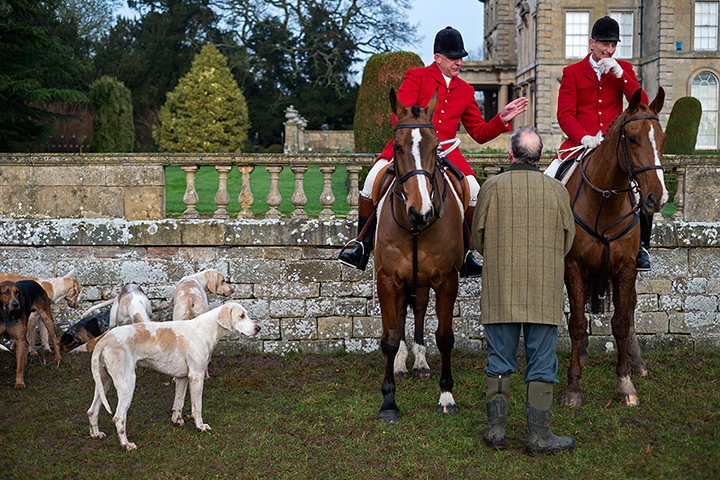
x,y
95,366
164,307
95,307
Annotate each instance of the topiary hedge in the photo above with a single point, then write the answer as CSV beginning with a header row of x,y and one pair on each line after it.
x,y
682,126
113,127
373,122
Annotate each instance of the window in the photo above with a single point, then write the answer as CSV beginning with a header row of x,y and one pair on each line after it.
x,y
705,88
625,21
577,26
706,25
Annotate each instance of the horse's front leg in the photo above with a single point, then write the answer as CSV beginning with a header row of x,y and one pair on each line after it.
x,y
577,326
637,364
445,295
624,301
389,343
421,369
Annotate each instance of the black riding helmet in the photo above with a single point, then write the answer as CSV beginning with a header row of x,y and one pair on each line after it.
x,y
449,42
606,29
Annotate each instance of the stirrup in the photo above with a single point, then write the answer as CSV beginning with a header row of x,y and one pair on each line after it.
x,y
470,267
642,260
362,261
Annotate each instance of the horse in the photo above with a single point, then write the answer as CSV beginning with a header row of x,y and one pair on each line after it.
x,y
607,190
419,245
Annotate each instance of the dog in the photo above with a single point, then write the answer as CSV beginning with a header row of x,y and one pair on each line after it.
x,y
181,349
85,330
17,301
190,298
131,305
58,289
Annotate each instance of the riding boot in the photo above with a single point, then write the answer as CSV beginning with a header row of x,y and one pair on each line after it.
x,y
470,268
358,257
643,257
538,409
497,399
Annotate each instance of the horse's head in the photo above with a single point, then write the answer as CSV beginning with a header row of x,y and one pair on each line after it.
x,y
415,146
640,143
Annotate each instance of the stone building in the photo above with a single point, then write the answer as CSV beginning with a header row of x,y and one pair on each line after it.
x,y
671,43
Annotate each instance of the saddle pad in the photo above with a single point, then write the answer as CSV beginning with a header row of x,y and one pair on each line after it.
x,y
462,188
383,180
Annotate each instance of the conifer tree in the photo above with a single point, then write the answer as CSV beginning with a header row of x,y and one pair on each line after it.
x,y
206,112
113,128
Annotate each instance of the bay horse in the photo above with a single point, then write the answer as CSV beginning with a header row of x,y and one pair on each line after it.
x,y
419,245
607,190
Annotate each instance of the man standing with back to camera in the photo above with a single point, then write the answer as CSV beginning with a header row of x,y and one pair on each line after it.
x,y
456,105
591,97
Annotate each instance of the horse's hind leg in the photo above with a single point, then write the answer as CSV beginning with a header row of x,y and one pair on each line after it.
x,y
637,364
577,326
389,343
624,300
421,369
445,295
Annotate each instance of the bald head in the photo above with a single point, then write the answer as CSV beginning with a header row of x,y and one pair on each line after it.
x,y
526,146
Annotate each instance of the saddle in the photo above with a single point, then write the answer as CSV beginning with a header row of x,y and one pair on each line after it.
x,y
458,182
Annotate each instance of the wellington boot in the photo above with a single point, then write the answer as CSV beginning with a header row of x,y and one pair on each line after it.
x,y
541,439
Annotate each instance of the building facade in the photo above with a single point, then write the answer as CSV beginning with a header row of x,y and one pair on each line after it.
x,y
671,43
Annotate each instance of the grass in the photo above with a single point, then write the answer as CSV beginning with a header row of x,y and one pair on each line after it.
x,y
315,416
206,184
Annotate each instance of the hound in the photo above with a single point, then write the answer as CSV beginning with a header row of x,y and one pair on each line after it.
x,y
181,349
60,288
17,301
84,330
130,306
190,298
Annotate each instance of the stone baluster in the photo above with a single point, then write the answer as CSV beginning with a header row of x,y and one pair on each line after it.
x,y
299,199
273,197
222,198
353,191
327,198
491,171
190,199
245,199
679,200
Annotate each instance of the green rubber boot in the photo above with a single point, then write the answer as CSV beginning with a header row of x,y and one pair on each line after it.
x,y
538,410
497,396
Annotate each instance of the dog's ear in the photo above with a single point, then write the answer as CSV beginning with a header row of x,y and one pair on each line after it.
x,y
224,317
212,281
67,275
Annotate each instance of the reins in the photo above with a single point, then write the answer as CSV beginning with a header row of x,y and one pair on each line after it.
x,y
632,190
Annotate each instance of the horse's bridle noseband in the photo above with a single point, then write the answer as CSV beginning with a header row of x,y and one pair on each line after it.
x,y
418,171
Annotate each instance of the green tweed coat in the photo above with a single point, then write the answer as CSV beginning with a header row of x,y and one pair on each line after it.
x,y
523,227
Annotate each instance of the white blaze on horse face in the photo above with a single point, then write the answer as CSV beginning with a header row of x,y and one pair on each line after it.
x,y
422,185
661,177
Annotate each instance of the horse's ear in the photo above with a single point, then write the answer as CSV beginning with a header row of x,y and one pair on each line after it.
x,y
659,101
432,104
635,100
395,105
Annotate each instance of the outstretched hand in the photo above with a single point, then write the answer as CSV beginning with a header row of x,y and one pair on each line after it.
x,y
513,109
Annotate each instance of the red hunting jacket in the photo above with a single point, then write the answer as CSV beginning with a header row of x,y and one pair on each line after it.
x,y
456,104
586,105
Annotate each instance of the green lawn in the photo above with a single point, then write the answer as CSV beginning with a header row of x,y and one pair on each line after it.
x,y
315,417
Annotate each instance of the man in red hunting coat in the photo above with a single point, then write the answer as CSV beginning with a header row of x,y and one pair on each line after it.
x,y
457,105
591,97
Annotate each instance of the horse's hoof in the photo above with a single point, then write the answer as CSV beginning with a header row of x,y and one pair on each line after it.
x,y
569,399
628,399
389,415
421,373
449,409
640,370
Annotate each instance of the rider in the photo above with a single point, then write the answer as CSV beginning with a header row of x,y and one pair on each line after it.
x,y
591,97
456,104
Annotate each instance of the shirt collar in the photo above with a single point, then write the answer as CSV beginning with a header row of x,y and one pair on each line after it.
x,y
595,66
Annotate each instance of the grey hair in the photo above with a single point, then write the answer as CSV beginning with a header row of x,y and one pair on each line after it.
x,y
526,145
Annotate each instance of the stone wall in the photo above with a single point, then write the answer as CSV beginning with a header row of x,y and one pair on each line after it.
x,y
285,273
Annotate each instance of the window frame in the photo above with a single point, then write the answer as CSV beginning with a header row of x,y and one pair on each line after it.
x,y
578,46
709,116
698,25
626,39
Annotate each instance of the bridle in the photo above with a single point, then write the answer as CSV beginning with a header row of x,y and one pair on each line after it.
x,y
632,189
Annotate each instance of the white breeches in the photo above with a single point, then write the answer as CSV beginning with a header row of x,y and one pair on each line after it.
x,y
380,164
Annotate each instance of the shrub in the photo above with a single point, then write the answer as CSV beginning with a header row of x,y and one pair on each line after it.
x,y
373,121
206,112
682,126
113,128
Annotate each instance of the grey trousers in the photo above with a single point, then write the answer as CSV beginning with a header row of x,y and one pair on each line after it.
x,y
540,341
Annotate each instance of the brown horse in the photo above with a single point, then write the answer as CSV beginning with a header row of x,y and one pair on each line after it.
x,y
607,191
418,246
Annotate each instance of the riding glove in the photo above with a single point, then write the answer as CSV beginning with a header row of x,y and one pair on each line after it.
x,y
611,65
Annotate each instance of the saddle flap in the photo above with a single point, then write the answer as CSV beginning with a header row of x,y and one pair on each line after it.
x,y
383,180
461,187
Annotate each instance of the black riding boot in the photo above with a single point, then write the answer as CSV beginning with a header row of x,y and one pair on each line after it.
x,y
497,399
643,257
358,257
470,268
538,409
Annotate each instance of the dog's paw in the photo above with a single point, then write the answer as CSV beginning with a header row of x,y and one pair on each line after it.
x,y
97,435
19,386
177,420
129,446
204,427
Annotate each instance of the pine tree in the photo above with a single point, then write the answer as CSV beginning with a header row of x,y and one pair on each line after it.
x,y
206,112
113,128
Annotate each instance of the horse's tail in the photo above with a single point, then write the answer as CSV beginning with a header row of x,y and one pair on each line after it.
x,y
598,287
